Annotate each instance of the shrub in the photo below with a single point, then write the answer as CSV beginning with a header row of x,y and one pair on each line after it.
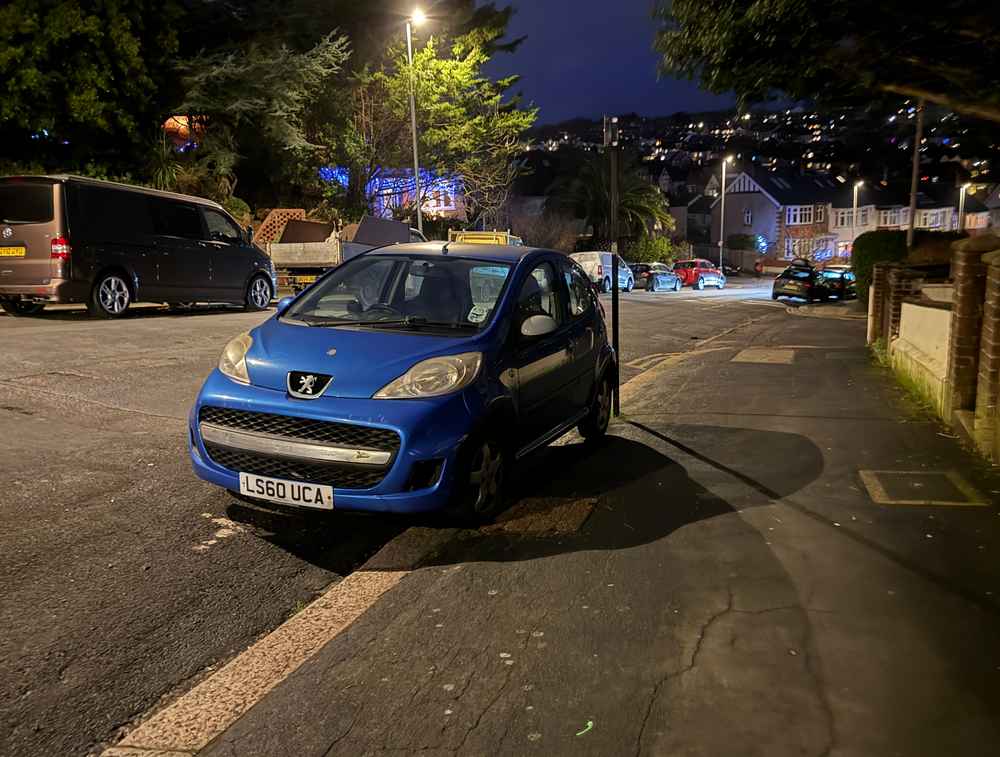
x,y
876,247
652,250
239,210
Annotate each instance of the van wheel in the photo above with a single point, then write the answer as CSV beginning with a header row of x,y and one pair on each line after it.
x,y
110,296
606,286
258,295
678,285
482,479
595,425
18,308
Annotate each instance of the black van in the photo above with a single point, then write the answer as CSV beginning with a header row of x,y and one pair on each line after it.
x,y
69,239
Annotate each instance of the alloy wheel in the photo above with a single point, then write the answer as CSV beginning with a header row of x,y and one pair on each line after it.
x,y
260,293
486,477
113,295
604,405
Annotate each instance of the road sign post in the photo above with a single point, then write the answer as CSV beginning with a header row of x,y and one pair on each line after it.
x,y
611,144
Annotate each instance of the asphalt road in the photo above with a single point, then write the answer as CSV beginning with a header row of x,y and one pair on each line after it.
x,y
126,579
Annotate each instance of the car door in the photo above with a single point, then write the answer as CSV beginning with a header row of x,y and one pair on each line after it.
x,y
581,333
229,260
183,258
542,365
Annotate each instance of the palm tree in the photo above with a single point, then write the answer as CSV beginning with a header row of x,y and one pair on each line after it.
x,y
641,206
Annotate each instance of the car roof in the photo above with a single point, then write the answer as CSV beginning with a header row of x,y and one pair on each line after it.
x,y
495,253
64,178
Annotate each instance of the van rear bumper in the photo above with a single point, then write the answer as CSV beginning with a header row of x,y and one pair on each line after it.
x,y
56,291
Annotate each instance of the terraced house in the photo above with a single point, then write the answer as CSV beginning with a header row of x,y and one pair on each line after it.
x,y
793,215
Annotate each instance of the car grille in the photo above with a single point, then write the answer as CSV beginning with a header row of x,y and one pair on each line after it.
x,y
339,475
306,429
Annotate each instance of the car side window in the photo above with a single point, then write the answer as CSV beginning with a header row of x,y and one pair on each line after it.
x,y
578,287
176,219
539,295
221,229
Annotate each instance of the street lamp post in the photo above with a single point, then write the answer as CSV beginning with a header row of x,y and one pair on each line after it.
x,y
854,214
722,210
416,19
961,207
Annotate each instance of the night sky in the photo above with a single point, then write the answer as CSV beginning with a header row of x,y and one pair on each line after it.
x,y
590,57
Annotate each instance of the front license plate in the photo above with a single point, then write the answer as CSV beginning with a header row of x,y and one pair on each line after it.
x,y
12,252
287,492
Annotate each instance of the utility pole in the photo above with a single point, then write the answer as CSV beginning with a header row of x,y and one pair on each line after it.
x,y
417,18
722,210
915,178
611,143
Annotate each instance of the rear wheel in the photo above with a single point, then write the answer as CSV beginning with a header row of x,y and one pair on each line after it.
x,y
258,295
606,285
110,296
18,308
678,285
595,425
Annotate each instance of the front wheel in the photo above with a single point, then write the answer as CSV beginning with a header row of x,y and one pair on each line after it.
x,y
721,284
629,286
482,481
19,308
678,285
651,286
110,297
595,424
699,284
258,295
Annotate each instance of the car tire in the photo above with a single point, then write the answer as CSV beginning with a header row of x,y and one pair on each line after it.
x,y
721,285
258,295
595,425
19,308
651,286
774,296
480,490
699,284
629,285
678,285
110,297
606,286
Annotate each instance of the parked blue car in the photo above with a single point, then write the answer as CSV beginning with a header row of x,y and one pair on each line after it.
x,y
409,379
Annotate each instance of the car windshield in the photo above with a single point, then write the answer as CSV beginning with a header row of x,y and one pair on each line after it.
x,y
405,292
685,264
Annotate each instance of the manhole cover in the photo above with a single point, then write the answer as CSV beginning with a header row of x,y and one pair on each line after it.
x,y
766,355
943,488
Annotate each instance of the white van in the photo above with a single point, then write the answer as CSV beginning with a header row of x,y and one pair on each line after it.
x,y
598,267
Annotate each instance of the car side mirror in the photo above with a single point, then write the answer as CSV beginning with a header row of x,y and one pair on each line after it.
x,y
249,233
283,304
538,325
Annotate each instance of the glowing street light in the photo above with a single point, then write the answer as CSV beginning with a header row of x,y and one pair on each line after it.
x,y
854,213
961,206
418,18
722,210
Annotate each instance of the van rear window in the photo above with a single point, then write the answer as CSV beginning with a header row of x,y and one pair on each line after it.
x,y
25,202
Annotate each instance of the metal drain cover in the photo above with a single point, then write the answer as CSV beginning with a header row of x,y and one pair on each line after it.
x,y
939,488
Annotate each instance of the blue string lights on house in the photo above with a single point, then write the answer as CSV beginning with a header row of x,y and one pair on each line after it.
x,y
389,190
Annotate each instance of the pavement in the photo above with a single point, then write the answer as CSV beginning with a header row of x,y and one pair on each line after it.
x,y
773,553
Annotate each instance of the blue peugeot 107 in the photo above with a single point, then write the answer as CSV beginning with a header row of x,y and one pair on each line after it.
x,y
409,379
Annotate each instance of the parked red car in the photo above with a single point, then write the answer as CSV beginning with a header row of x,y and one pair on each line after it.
x,y
699,273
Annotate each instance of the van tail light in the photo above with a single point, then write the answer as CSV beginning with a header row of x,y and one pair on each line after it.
x,y
600,270
60,249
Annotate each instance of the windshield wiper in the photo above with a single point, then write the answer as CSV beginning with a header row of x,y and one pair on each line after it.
x,y
410,321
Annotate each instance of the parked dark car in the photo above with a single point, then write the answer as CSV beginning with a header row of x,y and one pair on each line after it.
x,y
661,278
802,281
69,239
841,282
409,379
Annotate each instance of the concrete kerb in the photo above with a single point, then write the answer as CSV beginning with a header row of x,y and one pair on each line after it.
x,y
839,311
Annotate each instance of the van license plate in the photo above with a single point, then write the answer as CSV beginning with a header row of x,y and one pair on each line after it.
x,y
12,252
287,492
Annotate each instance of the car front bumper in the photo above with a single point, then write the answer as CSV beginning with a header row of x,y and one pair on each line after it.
x,y
431,433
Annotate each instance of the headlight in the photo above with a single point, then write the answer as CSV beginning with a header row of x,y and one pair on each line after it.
x,y
434,377
233,361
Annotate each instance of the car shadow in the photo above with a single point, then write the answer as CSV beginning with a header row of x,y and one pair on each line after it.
x,y
626,492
